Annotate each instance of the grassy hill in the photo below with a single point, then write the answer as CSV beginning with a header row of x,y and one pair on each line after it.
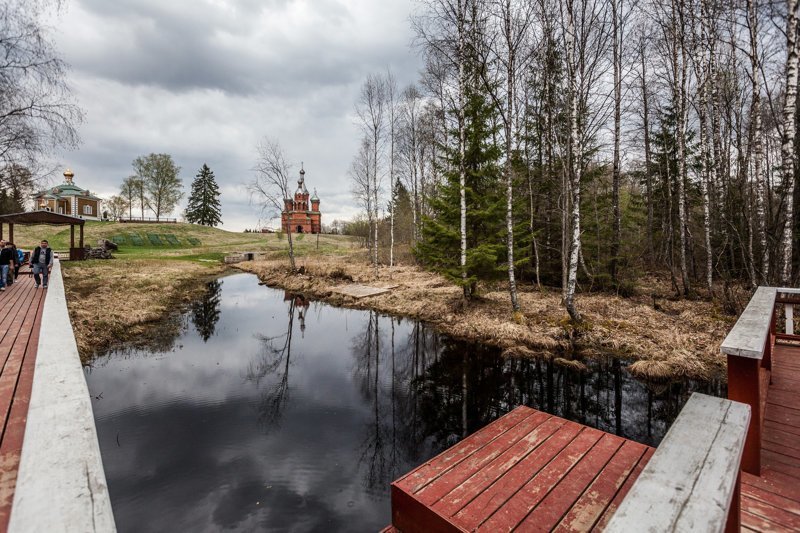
x,y
174,241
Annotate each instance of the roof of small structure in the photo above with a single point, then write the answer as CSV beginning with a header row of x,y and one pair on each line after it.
x,y
68,188
41,217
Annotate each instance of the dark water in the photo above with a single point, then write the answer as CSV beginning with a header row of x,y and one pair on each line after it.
x,y
272,413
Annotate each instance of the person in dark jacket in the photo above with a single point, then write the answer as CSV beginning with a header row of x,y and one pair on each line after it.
x,y
41,263
6,262
14,268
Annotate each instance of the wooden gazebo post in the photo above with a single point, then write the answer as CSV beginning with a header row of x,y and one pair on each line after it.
x,y
11,232
72,242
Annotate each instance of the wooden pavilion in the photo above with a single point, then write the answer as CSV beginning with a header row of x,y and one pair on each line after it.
x,y
35,218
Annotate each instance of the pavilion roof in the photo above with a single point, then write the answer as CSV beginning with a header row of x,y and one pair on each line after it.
x,y
41,217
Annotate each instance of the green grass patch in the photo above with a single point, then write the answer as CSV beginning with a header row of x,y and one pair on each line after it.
x,y
172,239
154,239
136,239
194,241
118,239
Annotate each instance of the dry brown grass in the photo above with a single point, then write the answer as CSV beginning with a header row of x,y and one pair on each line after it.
x,y
116,302
678,338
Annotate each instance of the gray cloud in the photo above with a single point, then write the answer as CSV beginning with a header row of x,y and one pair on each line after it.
x,y
204,81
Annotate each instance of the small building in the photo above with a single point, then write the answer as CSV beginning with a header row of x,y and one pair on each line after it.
x,y
301,214
69,199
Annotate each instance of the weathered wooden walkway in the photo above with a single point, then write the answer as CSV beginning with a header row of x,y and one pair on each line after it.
x,y
771,501
21,307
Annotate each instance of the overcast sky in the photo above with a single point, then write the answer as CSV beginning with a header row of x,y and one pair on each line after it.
x,y
204,80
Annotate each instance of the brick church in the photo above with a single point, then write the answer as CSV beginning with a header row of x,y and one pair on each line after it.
x,y
301,214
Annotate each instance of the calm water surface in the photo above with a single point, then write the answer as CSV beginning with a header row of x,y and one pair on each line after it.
x,y
271,413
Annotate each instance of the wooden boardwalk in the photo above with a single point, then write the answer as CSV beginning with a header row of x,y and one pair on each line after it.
x,y
771,502
21,307
527,470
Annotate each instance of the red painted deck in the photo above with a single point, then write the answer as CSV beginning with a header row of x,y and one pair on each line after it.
x,y
20,319
772,502
527,470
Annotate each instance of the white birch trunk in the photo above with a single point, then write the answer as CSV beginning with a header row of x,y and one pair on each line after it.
x,y
462,140
757,139
679,95
575,162
512,284
789,129
616,37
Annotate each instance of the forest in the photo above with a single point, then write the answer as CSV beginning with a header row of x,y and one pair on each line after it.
x,y
588,145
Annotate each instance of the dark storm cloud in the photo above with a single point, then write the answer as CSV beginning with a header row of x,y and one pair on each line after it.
x,y
204,46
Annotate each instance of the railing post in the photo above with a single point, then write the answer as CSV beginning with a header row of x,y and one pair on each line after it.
x,y
789,308
744,385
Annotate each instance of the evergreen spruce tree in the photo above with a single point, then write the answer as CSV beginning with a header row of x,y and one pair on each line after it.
x,y
204,206
440,245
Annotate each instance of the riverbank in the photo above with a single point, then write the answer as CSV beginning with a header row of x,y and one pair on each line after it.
x,y
671,339
128,302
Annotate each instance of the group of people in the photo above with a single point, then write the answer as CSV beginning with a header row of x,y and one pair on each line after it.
x,y
12,258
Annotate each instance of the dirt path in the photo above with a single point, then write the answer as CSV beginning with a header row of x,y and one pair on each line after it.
x,y
679,339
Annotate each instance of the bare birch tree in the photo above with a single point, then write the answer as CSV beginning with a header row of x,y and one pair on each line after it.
x,y
371,110
270,188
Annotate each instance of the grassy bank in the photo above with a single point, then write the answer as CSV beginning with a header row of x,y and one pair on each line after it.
x,y
119,301
669,340
193,241
125,300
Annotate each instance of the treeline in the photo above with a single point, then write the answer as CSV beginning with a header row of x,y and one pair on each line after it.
x,y
585,142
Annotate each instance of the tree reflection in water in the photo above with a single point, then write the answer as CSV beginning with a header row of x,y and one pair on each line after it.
x,y
425,392
431,394
275,357
205,311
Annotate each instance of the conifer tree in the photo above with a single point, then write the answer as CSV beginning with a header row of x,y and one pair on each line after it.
x,y
440,245
204,206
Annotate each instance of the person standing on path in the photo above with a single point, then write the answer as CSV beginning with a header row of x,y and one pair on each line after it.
x,y
6,262
41,263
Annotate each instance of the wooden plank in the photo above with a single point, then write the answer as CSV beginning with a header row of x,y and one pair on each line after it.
x,y
781,463
783,415
591,505
602,523
411,515
11,444
689,488
770,426
771,513
534,491
778,483
481,480
748,336
784,439
561,499
430,470
457,475
786,504
359,291
758,523
13,363
486,503
783,398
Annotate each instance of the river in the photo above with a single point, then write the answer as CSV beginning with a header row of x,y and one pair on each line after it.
x,y
269,412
